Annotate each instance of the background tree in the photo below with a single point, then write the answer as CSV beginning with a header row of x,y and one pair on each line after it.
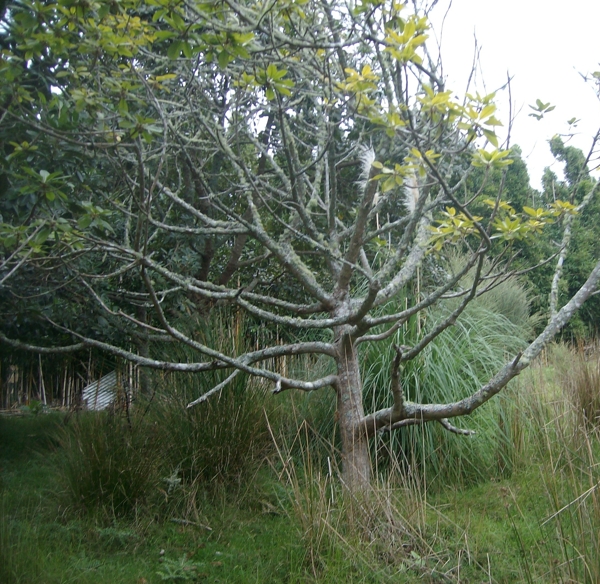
x,y
577,240
301,161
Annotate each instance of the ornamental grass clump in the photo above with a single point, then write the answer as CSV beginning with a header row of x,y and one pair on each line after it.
x,y
454,365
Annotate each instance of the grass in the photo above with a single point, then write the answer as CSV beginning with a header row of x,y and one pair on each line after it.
x,y
458,362
183,505
109,462
41,542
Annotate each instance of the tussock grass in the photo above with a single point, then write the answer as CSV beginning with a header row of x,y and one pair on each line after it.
x,y
494,327
161,457
109,463
245,487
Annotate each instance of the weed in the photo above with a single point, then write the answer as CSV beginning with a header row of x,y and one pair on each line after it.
x,y
182,570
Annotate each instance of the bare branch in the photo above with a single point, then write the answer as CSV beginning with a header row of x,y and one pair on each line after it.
x,y
214,390
448,426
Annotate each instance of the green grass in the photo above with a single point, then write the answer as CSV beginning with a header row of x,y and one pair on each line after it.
x,y
454,365
278,513
41,542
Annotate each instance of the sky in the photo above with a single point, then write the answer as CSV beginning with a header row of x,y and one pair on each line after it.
x,y
545,46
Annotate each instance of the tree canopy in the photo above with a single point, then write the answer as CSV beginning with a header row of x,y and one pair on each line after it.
x,y
299,160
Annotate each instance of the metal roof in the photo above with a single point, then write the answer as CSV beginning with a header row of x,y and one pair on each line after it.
x,y
100,394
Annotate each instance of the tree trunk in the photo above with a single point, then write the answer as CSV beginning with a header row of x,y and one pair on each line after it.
x,y
356,463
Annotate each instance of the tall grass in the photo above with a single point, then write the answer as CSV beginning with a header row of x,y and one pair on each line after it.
x,y
109,464
456,363
573,491
379,532
564,449
213,448
540,523
162,453
221,439
582,382
535,460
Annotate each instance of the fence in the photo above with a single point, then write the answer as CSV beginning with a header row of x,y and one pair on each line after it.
x,y
57,381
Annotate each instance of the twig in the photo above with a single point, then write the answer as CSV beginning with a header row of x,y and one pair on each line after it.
x,y
451,428
188,522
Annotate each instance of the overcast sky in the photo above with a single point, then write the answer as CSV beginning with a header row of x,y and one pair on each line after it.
x,y
544,45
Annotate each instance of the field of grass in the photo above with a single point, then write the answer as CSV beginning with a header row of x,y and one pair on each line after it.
x,y
151,506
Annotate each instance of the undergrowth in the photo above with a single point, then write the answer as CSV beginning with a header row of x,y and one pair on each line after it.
x,y
244,487
462,358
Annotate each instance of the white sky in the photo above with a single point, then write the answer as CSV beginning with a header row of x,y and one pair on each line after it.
x,y
544,45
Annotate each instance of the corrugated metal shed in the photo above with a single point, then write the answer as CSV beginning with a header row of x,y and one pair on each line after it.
x,y
102,393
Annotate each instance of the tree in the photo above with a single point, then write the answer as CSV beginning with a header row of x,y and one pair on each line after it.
x,y
578,239
297,160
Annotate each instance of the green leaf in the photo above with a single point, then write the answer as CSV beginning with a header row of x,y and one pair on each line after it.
x,y
388,184
493,121
43,235
283,89
163,35
223,59
487,111
174,50
103,10
84,221
187,49
492,138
